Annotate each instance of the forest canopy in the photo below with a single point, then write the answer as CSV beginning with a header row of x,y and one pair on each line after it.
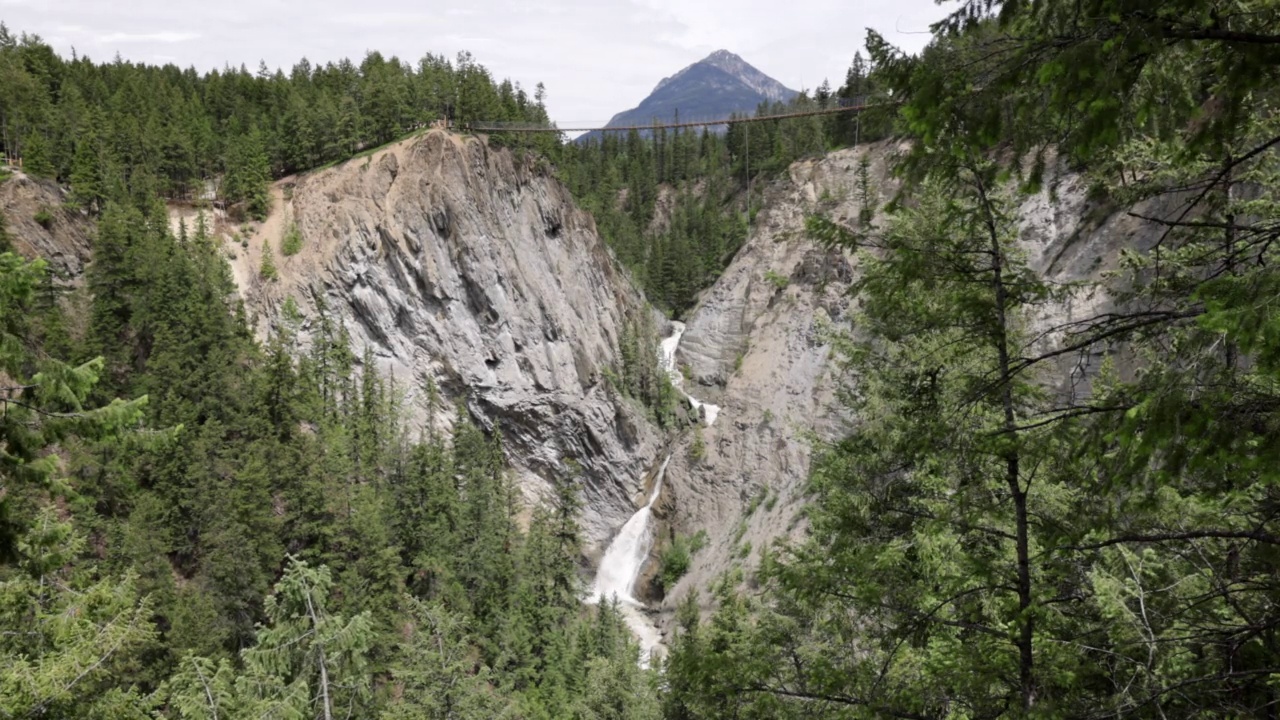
x,y
1033,513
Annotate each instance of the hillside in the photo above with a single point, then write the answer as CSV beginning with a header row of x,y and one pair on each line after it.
x,y
975,418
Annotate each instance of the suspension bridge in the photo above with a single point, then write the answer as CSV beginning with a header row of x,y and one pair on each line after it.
x,y
843,105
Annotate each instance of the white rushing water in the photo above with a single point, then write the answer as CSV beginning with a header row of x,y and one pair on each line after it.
x,y
623,559
620,567
667,352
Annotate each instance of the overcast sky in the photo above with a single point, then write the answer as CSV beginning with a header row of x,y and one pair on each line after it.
x,y
597,57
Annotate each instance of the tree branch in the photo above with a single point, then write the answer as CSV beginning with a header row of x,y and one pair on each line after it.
x,y
1254,535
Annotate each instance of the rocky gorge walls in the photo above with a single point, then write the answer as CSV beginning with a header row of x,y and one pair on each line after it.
x,y
470,269
759,343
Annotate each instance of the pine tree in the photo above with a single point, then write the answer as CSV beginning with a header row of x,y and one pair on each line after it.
x,y
87,184
35,157
306,662
248,174
438,672
42,401
267,268
80,633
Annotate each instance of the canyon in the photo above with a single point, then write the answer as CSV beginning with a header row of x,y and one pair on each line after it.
x,y
479,287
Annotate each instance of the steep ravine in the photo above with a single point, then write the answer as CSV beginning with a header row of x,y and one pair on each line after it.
x,y
472,269
758,344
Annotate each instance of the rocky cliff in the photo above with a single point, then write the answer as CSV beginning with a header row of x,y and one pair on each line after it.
x,y
759,344
471,269
41,226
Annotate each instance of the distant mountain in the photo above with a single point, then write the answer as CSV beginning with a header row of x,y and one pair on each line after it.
x,y
716,86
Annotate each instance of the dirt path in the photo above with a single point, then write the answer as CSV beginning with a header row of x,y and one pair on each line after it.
x,y
248,260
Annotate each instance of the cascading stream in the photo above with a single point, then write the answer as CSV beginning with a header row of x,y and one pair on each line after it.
x,y
620,567
625,557
667,352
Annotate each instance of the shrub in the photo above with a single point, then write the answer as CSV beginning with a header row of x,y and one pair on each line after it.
x,y
675,558
291,311
291,244
757,500
44,217
698,448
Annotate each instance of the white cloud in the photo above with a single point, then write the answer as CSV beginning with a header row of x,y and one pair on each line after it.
x,y
166,36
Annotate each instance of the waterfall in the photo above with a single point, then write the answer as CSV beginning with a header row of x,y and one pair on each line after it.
x,y
667,357
620,567
622,561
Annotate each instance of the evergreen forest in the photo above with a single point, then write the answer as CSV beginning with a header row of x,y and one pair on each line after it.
x,y
1079,521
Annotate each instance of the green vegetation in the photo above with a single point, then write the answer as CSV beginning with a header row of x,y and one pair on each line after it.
x,y
771,501
256,533
291,243
267,267
779,282
641,376
290,310
197,524
44,217
675,558
697,448
127,132
987,542
672,204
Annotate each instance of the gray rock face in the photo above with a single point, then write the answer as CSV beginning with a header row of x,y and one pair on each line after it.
x,y
759,344
459,265
64,243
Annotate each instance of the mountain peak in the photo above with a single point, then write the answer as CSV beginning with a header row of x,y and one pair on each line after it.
x,y
738,69
717,86
722,56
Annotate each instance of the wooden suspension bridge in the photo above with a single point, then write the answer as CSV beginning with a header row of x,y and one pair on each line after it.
x,y
845,105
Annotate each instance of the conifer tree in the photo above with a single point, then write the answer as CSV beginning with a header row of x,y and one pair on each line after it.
x,y
80,633
248,174
307,662
35,157
267,267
